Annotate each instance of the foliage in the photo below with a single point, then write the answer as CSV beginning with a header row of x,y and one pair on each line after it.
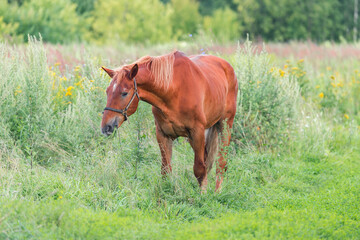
x,y
110,21
223,25
185,18
114,21
8,31
56,21
267,100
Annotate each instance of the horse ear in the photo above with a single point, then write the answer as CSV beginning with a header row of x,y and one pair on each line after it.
x,y
133,71
110,72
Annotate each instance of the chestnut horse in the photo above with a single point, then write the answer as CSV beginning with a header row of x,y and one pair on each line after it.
x,y
193,97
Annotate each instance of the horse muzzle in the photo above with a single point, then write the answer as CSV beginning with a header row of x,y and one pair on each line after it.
x,y
109,128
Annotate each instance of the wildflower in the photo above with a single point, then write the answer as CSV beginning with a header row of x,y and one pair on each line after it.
x,y
317,86
190,35
346,116
272,69
332,77
281,73
57,64
92,81
60,197
17,92
68,91
286,66
328,68
295,68
333,84
321,95
301,60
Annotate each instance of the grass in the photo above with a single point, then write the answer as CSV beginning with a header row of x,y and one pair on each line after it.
x,y
60,179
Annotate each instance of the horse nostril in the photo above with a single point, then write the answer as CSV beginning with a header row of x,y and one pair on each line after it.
x,y
109,129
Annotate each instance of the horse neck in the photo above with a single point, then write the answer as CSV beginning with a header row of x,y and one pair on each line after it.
x,y
149,92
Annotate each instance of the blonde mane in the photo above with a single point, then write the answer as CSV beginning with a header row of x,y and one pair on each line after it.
x,y
161,68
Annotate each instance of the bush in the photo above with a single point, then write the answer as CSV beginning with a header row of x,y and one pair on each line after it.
x,y
126,21
56,20
223,25
267,100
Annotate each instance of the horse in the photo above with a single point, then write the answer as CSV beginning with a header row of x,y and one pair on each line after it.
x,y
193,97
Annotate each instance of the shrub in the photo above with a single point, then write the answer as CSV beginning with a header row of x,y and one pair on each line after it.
x,y
56,21
126,21
215,25
267,100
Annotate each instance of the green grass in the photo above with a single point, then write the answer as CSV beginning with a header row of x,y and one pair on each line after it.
x,y
264,197
60,179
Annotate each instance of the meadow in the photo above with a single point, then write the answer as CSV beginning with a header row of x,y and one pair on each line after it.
x,y
293,162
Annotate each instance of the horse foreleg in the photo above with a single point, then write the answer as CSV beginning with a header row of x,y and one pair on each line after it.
x,y
165,145
197,142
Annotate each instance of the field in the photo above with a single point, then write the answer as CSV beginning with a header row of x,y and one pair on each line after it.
x,y
293,163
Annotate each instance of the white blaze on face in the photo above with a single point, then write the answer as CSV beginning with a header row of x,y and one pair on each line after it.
x,y
114,87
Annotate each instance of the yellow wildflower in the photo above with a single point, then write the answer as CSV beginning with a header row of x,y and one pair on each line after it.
x,y
301,60
60,197
317,86
321,95
69,88
57,64
286,66
295,68
328,68
68,91
92,81
281,72
332,77
346,116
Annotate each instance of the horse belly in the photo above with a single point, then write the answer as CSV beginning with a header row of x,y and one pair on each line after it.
x,y
171,129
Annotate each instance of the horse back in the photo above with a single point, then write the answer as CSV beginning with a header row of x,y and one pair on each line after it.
x,y
208,83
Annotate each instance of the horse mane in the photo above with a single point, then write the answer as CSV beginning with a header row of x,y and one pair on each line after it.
x,y
161,68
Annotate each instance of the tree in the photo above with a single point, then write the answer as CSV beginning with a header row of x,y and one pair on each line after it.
x,y
185,17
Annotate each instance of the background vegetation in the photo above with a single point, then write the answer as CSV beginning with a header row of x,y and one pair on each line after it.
x,y
111,21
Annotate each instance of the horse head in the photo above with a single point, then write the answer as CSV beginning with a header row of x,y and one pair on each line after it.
x,y
122,98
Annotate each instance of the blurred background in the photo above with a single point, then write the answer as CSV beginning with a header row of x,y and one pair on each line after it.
x,y
161,21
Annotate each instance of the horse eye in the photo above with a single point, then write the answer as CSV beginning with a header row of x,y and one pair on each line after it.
x,y
124,94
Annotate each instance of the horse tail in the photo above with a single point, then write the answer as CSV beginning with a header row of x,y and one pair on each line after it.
x,y
211,145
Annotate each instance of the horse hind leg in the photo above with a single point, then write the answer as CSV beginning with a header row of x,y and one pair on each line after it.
x,y
221,167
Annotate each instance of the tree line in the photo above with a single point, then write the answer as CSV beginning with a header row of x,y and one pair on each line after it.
x,y
159,21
